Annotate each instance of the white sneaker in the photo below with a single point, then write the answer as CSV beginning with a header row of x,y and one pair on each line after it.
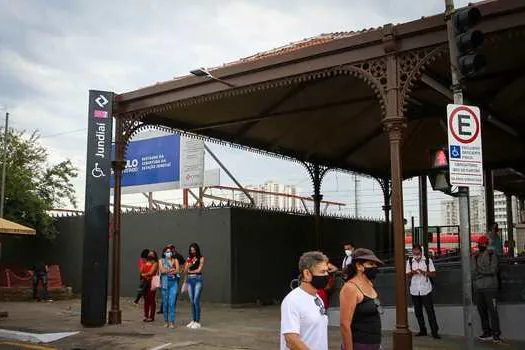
x,y
196,325
190,325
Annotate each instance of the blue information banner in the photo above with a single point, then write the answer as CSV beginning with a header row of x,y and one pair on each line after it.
x,y
151,161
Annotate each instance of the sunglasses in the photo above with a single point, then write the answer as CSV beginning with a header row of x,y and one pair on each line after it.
x,y
320,305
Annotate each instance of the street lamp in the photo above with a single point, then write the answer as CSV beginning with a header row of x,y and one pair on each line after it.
x,y
203,72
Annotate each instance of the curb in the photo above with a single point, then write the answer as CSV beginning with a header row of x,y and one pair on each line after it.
x,y
34,337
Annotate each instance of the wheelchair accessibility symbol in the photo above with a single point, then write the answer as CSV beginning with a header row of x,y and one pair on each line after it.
x,y
97,172
455,152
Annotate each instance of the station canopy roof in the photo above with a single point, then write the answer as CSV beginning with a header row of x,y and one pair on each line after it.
x,y
302,101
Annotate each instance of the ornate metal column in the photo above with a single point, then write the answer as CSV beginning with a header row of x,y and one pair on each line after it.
x,y
317,173
386,187
394,125
115,314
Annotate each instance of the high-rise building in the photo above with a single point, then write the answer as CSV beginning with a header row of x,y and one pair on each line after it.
x,y
272,200
478,221
450,213
500,211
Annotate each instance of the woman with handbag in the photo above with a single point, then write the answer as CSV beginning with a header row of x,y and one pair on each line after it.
x,y
148,272
169,281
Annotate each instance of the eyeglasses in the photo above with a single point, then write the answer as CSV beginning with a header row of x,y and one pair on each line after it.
x,y
319,304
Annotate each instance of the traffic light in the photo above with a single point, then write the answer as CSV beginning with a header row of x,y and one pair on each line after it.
x,y
439,178
468,41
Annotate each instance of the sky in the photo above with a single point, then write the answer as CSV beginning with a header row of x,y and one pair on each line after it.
x,y
52,52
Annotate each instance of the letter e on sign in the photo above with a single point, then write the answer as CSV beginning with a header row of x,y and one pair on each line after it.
x,y
464,123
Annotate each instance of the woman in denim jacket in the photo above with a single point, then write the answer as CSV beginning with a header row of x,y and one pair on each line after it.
x,y
169,282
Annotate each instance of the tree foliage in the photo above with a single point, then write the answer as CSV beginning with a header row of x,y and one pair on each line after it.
x,y
33,186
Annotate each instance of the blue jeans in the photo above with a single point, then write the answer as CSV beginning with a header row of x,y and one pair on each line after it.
x,y
194,291
169,298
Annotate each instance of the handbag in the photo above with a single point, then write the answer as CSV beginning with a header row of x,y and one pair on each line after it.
x,y
155,282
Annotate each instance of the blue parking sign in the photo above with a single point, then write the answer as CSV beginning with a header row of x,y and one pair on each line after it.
x,y
455,152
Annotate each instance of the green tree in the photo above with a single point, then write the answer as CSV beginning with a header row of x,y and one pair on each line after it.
x,y
33,186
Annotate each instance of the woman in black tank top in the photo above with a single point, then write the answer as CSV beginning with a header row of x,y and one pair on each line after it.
x,y
360,310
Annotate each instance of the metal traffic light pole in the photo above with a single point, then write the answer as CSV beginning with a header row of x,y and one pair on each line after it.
x,y
464,215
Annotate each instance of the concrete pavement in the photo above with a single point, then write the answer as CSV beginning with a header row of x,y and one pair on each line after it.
x,y
223,328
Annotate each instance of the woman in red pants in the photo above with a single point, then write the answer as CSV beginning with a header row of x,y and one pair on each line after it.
x,y
149,269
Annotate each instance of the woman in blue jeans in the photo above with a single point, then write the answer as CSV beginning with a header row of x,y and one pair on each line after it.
x,y
169,283
193,269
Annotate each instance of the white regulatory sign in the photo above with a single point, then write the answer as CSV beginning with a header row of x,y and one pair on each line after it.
x,y
464,145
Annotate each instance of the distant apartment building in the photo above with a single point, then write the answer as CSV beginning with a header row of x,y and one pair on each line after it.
x,y
271,200
500,211
450,212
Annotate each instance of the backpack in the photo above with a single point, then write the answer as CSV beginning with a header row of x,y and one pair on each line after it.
x,y
427,262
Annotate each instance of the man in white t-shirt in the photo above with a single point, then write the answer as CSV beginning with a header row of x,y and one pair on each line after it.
x,y
420,270
304,322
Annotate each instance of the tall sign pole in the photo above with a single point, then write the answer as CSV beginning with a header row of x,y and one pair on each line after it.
x,y
464,62
96,219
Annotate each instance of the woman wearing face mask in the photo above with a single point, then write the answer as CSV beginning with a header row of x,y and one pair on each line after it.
x,y
360,320
169,277
148,270
193,269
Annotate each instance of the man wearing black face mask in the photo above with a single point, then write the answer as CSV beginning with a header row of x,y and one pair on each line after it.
x,y
485,281
304,322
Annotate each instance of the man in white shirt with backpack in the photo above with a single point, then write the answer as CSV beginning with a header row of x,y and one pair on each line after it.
x,y
420,270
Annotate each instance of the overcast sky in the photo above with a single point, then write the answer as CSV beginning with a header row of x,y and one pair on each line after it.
x,y
52,52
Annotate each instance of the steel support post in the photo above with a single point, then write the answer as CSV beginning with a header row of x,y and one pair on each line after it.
x,y
115,314
423,213
489,200
510,225
464,217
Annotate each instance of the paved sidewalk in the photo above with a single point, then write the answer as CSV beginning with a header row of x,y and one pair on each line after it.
x,y
223,328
